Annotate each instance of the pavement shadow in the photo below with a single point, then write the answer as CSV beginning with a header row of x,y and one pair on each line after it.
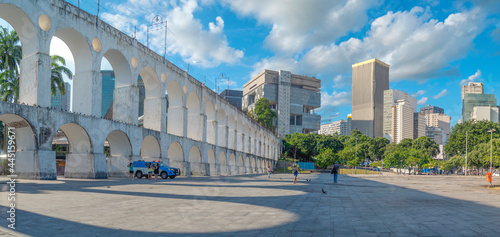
x,y
355,206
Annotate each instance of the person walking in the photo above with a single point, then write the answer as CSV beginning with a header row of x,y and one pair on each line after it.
x,y
295,170
335,171
131,171
157,171
268,172
150,171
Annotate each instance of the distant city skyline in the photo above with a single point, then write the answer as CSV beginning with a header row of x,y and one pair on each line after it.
x,y
241,40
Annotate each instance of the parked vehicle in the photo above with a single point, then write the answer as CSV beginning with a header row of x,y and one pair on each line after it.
x,y
141,169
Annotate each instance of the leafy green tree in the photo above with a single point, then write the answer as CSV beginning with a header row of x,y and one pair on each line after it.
x,y
58,69
10,50
477,134
263,113
427,145
327,141
377,148
326,158
9,86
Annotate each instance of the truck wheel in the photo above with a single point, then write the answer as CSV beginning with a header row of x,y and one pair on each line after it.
x,y
138,174
164,175
172,177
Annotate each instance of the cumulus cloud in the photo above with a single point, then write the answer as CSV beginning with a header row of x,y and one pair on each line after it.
x,y
416,46
423,101
187,37
471,78
336,98
418,93
441,94
297,24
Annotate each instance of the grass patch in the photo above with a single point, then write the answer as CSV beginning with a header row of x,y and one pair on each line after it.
x,y
494,187
357,171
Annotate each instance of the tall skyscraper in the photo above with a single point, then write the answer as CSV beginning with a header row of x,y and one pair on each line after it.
x,y
471,88
428,109
419,125
473,100
62,102
402,121
108,86
437,125
369,81
391,98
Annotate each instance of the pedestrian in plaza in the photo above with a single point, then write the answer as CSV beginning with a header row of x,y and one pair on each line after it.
x,y
295,170
157,171
150,170
131,170
268,172
335,171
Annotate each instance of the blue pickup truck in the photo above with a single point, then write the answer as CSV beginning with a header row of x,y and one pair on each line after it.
x,y
141,169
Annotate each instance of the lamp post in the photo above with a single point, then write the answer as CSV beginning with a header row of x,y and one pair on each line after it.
x,y
491,147
356,156
466,151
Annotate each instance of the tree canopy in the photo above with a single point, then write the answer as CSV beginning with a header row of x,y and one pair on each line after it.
x,y
263,113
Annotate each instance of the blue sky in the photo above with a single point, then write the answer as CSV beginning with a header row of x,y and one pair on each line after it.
x,y
432,46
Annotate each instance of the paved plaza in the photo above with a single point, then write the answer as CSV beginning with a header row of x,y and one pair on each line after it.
x,y
362,205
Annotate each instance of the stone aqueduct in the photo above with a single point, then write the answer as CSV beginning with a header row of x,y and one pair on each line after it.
x,y
204,135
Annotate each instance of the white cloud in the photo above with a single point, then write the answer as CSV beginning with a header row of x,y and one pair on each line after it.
x,y
335,99
186,35
441,94
418,93
416,46
471,78
298,24
423,101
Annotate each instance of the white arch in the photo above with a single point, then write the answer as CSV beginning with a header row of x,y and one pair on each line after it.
x,y
231,130
79,160
211,122
222,129
176,157
175,120
196,161
121,152
194,119
154,101
150,149
233,167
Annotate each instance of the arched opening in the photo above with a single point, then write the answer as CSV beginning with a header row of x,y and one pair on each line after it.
x,y
241,165
254,165
150,149
196,162
73,148
221,133
20,27
176,157
194,117
224,169
117,93
79,61
248,165
252,141
175,121
233,167
19,131
155,103
211,123
246,140
212,163
231,132
118,152
239,135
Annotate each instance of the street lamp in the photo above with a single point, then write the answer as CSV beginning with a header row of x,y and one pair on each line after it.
x,y
491,147
356,156
466,151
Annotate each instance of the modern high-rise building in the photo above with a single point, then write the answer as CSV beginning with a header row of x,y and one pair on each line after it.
x,y
471,88
437,125
234,97
419,125
337,127
108,86
294,97
369,81
428,109
475,100
391,98
488,113
349,124
62,102
402,121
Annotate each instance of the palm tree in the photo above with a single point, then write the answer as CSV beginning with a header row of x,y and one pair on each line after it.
x,y
10,50
58,69
9,86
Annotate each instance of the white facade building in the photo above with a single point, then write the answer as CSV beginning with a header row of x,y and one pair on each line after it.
x,y
488,113
338,127
402,121
393,98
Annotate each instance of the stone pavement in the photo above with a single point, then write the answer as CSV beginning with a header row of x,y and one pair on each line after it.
x,y
362,205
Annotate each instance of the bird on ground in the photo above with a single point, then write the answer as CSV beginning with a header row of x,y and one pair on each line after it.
x,y
281,178
322,190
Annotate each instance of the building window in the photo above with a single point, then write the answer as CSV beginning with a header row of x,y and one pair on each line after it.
x,y
296,120
251,99
292,119
274,106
